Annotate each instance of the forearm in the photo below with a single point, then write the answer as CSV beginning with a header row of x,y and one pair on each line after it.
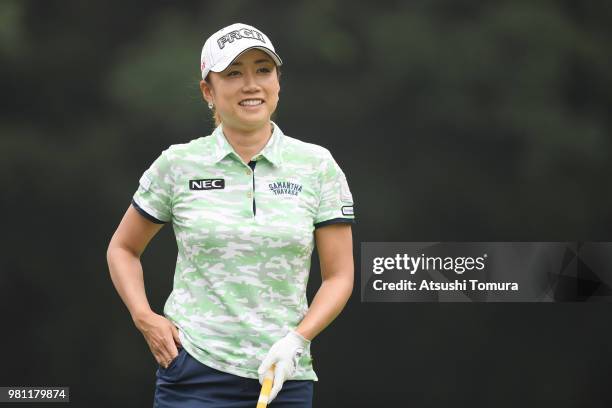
x,y
327,304
127,276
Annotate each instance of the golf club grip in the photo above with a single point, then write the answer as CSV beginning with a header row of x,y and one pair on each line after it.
x,y
266,387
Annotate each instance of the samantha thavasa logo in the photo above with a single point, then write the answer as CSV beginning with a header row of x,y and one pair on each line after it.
x,y
285,187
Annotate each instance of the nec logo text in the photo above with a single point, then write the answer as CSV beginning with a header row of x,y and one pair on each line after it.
x,y
207,184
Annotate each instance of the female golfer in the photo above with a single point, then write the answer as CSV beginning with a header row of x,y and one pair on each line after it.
x,y
247,205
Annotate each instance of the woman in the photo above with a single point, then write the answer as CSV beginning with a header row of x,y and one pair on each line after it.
x,y
247,205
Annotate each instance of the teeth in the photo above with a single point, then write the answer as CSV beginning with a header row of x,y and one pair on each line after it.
x,y
251,102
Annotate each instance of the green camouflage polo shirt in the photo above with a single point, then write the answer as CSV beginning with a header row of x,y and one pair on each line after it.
x,y
245,237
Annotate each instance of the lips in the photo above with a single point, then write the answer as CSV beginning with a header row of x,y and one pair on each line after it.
x,y
251,102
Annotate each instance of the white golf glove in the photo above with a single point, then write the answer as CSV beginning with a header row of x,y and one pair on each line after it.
x,y
285,354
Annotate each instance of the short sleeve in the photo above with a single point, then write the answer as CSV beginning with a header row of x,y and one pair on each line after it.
x,y
336,200
153,199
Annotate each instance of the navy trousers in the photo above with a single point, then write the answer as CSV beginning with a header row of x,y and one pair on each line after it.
x,y
187,383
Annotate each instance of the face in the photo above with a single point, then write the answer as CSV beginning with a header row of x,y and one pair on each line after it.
x,y
245,94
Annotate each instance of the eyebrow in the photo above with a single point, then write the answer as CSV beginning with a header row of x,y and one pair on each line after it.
x,y
259,61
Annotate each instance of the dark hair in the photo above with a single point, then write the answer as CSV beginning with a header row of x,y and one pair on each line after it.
x,y
215,115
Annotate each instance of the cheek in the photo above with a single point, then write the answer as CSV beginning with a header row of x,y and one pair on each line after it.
x,y
273,102
275,97
225,99
274,90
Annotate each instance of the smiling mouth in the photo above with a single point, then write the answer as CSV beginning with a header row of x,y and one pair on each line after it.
x,y
251,102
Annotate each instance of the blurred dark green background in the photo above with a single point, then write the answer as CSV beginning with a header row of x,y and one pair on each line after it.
x,y
453,120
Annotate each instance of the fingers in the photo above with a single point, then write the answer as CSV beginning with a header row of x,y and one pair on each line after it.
x,y
265,365
162,358
279,379
175,335
161,336
165,353
170,347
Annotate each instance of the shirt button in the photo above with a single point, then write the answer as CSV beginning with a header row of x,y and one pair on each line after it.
x,y
249,195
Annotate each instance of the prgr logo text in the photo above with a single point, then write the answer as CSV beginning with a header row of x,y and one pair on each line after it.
x,y
238,35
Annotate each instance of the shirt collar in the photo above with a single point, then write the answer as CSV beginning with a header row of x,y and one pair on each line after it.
x,y
272,151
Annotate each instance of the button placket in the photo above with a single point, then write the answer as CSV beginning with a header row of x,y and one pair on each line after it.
x,y
251,194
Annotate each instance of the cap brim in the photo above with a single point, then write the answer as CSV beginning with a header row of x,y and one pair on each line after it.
x,y
223,64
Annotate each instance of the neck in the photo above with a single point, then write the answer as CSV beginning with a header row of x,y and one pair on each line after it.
x,y
247,143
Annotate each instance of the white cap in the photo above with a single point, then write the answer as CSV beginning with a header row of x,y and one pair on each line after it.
x,y
227,44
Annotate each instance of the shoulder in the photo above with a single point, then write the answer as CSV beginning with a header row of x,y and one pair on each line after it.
x,y
177,156
188,151
298,150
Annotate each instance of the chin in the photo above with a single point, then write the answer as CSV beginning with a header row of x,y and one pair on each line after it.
x,y
255,120
250,124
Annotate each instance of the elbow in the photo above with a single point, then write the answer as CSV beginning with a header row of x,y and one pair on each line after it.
x,y
346,286
111,251
117,247
350,284
344,283
349,276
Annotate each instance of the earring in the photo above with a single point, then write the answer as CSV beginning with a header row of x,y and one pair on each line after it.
x,y
210,105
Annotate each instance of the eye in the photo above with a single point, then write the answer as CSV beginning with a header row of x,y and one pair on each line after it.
x,y
264,70
233,73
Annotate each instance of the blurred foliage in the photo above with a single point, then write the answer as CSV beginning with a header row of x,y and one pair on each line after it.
x,y
453,120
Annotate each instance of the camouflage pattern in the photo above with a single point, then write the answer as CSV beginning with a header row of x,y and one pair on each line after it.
x,y
240,278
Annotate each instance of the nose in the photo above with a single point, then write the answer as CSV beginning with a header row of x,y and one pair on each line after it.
x,y
250,82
